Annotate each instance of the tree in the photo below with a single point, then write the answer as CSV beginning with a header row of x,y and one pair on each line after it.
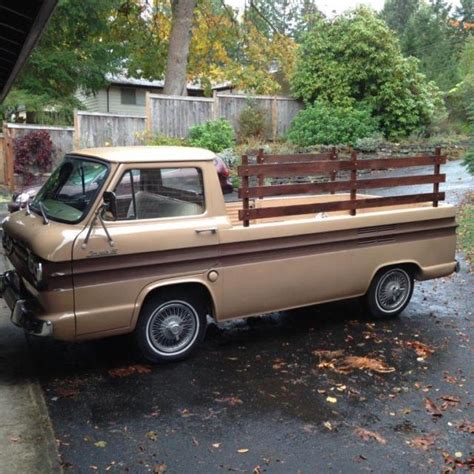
x,y
465,11
178,50
356,58
71,54
430,37
397,13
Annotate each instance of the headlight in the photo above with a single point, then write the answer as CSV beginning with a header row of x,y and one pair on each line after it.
x,y
35,267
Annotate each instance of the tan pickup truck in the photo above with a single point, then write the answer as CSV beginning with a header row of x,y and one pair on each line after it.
x,y
139,240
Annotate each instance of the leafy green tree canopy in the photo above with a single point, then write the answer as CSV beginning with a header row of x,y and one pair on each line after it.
x,y
356,58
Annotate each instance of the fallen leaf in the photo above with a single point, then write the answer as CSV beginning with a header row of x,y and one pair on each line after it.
x,y
329,354
466,426
232,401
216,445
242,450
152,435
65,392
331,399
432,408
257,470
130,370
100,444
373,365
160,468
15,439
185,413
421,350
367,435
422,442
328,425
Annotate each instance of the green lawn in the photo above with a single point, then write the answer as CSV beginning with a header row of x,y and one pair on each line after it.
x,y
466,227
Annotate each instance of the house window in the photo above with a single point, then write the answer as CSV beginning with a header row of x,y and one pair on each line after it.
x,y
128,96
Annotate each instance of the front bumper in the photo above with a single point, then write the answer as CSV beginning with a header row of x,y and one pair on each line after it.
x,y
13,293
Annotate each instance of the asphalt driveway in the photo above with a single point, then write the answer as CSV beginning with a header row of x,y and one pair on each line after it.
x,y
320,389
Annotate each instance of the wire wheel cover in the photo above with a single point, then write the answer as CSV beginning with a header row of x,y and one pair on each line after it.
x,y
173,327
393,290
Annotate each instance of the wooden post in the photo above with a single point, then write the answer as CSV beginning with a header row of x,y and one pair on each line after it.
x,y
353,181
215,106
261,161
245,187
437,167
274,118
148,114
76,140
9,159
333,156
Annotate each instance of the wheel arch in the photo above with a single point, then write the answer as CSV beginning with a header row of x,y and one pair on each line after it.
x,y
413,267
191,284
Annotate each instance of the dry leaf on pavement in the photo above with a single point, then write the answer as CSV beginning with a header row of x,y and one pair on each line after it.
x,y
432,408
373,365
422,350
367,435
422,442
131,369
232,401
242,450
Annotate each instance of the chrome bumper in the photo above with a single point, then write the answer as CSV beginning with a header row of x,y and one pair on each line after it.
x,y
21,316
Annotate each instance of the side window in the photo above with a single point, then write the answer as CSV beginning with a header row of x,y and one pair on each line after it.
x,y
159,193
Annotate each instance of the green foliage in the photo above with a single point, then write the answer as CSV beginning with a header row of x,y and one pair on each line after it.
x,y
215,135
396,13
469,156
252,122
430,37
323,124
356,58
163,140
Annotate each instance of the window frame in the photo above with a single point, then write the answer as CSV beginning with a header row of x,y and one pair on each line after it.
x,y
169,165
128,89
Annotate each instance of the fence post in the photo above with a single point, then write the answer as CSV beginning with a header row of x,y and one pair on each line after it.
x,y
353,181
9,159
76,139
148,114
215,106
261,161
274,118
333,156
245,186
437,167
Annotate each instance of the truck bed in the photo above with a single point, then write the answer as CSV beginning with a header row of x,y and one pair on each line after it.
x,y
232,208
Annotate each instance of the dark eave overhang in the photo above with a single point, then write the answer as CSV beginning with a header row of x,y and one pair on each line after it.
x,y
21,25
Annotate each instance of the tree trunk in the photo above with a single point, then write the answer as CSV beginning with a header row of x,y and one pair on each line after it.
x,y
176,65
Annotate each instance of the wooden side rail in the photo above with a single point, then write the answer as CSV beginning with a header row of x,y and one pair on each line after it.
x,y
287,166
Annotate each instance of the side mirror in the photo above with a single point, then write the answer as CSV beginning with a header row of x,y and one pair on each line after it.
x,y
110,201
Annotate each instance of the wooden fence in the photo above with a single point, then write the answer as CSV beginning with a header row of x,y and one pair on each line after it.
x,y
174,115
62,138
100,129
310,165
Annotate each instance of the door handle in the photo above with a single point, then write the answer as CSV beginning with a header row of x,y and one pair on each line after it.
x,y
212,230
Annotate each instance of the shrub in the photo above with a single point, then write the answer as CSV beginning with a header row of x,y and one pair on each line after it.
x,y
252,122
215,135
469,156
322,124
147,138
33,154
370,144
229,157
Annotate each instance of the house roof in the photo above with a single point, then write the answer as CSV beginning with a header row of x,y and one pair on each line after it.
x,y
138,82
148,154
21,25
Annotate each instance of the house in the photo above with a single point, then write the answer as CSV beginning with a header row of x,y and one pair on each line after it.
x,y
126,96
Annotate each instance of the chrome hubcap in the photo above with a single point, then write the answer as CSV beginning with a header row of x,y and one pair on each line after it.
x,y
172,327
393,290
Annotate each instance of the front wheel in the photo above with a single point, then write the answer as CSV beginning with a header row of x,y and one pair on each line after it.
x,y
389,293
171,326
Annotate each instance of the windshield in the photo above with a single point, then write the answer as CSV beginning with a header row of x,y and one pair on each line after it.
x,y
71,189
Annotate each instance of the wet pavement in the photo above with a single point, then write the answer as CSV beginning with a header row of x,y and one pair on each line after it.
x,y
281,393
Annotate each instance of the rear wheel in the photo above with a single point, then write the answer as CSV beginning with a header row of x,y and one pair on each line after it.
x,y
389,293
171,326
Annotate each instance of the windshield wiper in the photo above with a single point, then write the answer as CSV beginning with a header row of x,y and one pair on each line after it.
x,y
43,213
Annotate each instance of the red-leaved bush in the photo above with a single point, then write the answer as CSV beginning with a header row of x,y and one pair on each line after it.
x,y
33,154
